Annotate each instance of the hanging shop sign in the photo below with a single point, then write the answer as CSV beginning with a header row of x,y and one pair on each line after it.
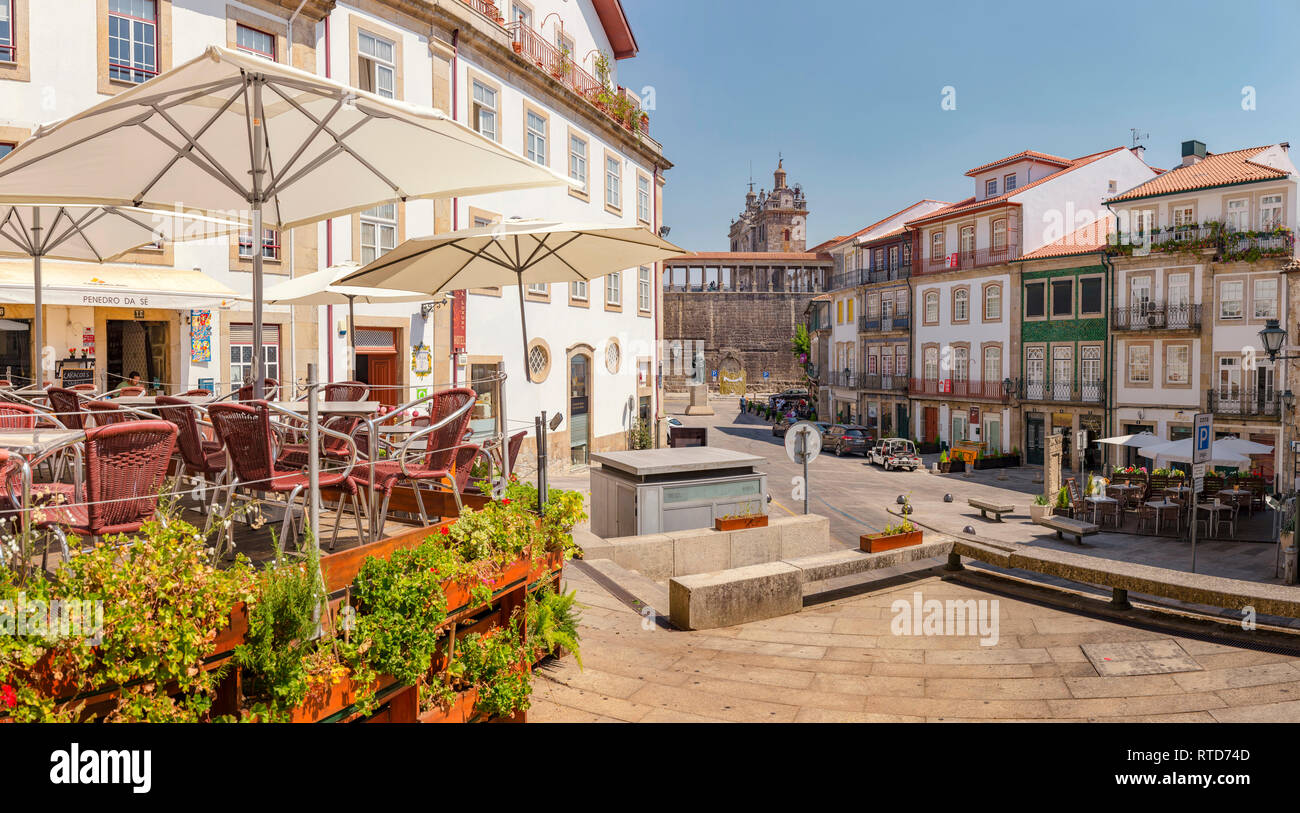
x,y
201,336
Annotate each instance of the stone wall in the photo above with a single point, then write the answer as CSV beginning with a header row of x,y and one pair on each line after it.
x,y
753,329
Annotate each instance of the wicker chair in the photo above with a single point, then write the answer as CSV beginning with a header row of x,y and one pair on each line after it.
x,y
67,407
126,392
246,431
270,386
126,464
346,391
17,416
1078,507
196,393
106,413
83,387
198,457
441,447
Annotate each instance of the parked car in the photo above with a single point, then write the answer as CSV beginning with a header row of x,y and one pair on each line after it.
x,y
895,453
845,439
782,423
822,426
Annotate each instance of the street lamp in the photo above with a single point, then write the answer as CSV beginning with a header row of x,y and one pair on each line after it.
x,y
1273,337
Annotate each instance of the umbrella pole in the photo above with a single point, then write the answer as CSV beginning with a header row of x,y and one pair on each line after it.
x,y
352,339
38,323
259,372
523,325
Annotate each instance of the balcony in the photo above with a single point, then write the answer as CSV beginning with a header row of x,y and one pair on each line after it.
x,y
885,383
1156,316
964,260
897,272
1063,391
847,279
844,378
618,104
1227,245
1245,403
951,389
873,324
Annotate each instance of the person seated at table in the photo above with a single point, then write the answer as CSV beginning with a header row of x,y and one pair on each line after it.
x,y
132,381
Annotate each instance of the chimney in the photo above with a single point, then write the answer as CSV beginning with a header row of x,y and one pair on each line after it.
x,y
1193,151
1140,152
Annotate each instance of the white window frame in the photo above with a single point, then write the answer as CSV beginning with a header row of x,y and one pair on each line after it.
x,y
578,163
1171,366
484,112
130,69
991,188
370,61
248,49
1009,182
1237,214
613,182
381,225
1256,299
535,137
1272,211
614,289
578,290
1133,378
643,197
992,302
1225,301
643,289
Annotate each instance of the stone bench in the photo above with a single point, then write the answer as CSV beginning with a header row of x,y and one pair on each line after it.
x,y
987,507
1065,525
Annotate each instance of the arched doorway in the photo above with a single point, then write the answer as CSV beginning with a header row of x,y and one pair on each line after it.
x,y
579,408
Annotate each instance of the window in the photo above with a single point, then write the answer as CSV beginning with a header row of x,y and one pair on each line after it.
x,y
1062,297
539,288
1035,300
967,240
936,245
931,363
960,364
900,359
999,236
7,52
376,72
255,42
991,188
1230,293
1237,217
484,113
1143,222
1139,364
539,361
132,40
873,306
1090,295
893,257
961,305
241,353
643,199
578,160
1090,366
851,301
839,311
1183,217
1035,367
613,355
578,290
1264,297
1178,364
6,148
932,306
1140,293
992,364
1062,372
378,231
270,245
613,182
1179,290
1270,211
1009,182
521,13
535,146
992,302
643,289
614,289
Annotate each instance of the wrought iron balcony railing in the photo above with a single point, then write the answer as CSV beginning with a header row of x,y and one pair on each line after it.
x,y
1156,316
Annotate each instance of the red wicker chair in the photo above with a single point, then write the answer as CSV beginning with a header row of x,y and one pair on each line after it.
x,y
196,393
83,387
107,413
441,448
199,458
270,386
17,416
246,431
126,464
126,392
346,391
67,407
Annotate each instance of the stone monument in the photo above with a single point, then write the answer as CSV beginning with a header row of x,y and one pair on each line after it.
x,y
699,400
1052,467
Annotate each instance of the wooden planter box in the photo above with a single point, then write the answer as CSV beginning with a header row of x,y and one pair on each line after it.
x,y
332,699
740,523
877,543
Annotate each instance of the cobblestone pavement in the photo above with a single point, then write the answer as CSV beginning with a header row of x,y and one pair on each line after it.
x,y
839,661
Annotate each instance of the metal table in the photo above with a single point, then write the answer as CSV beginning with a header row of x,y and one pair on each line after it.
x,y
33,444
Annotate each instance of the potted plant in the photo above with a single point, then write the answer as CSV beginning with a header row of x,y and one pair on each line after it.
x,y
902,535
1062,507
749,517
1039,509
945,463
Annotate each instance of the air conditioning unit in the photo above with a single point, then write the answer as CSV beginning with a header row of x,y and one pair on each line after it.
x,y
1153,320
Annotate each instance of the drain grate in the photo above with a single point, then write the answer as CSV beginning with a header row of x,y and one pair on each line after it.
x,y
1139,658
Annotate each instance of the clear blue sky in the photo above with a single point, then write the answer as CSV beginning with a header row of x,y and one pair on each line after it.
x,y
850,92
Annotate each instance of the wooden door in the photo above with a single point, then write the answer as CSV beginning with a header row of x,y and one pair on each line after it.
x,y
383,378
931,424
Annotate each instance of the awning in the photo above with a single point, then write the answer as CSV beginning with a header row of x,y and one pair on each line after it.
x,y
114,286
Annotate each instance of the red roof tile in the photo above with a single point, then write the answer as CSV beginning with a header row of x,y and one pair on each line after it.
x,y
1084,240
1037,156
1219,169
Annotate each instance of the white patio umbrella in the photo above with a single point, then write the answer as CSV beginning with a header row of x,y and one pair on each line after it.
x,y
318,288
1223,452
231,132
92,233
1136,441
514,252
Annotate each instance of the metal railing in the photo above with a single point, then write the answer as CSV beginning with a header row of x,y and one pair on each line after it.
x,y
1251,403
978,258
890,273
948,387
899,320
486,8
886,383
1156,316
842,378
1059,390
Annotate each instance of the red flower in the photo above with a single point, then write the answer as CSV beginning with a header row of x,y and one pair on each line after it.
x,y
8,696
505,501
445,530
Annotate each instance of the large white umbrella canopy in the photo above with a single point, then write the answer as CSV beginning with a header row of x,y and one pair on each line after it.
x,y
1136,441
515,252
319,288
92,233
1227,451
228,132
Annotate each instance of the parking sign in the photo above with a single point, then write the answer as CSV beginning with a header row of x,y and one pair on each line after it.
x,y
1204,437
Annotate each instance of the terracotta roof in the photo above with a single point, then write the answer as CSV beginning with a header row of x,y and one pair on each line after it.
x,y
614,20
971,204
1084,240
748,256
1037,156
834,241
1221,169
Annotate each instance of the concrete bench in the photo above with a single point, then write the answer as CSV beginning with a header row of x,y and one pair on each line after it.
x,y
987,507
1074,527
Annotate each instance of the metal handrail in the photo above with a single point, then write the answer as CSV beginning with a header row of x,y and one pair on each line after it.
x,y
332,433
401,459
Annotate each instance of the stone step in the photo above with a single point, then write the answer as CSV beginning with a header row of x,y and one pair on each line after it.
x,y
634,584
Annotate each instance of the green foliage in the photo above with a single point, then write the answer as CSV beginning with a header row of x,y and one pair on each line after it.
x,y
1063,498
552,621
163,606
400,605
1039,499
641,434
904,527
494,663
801,343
